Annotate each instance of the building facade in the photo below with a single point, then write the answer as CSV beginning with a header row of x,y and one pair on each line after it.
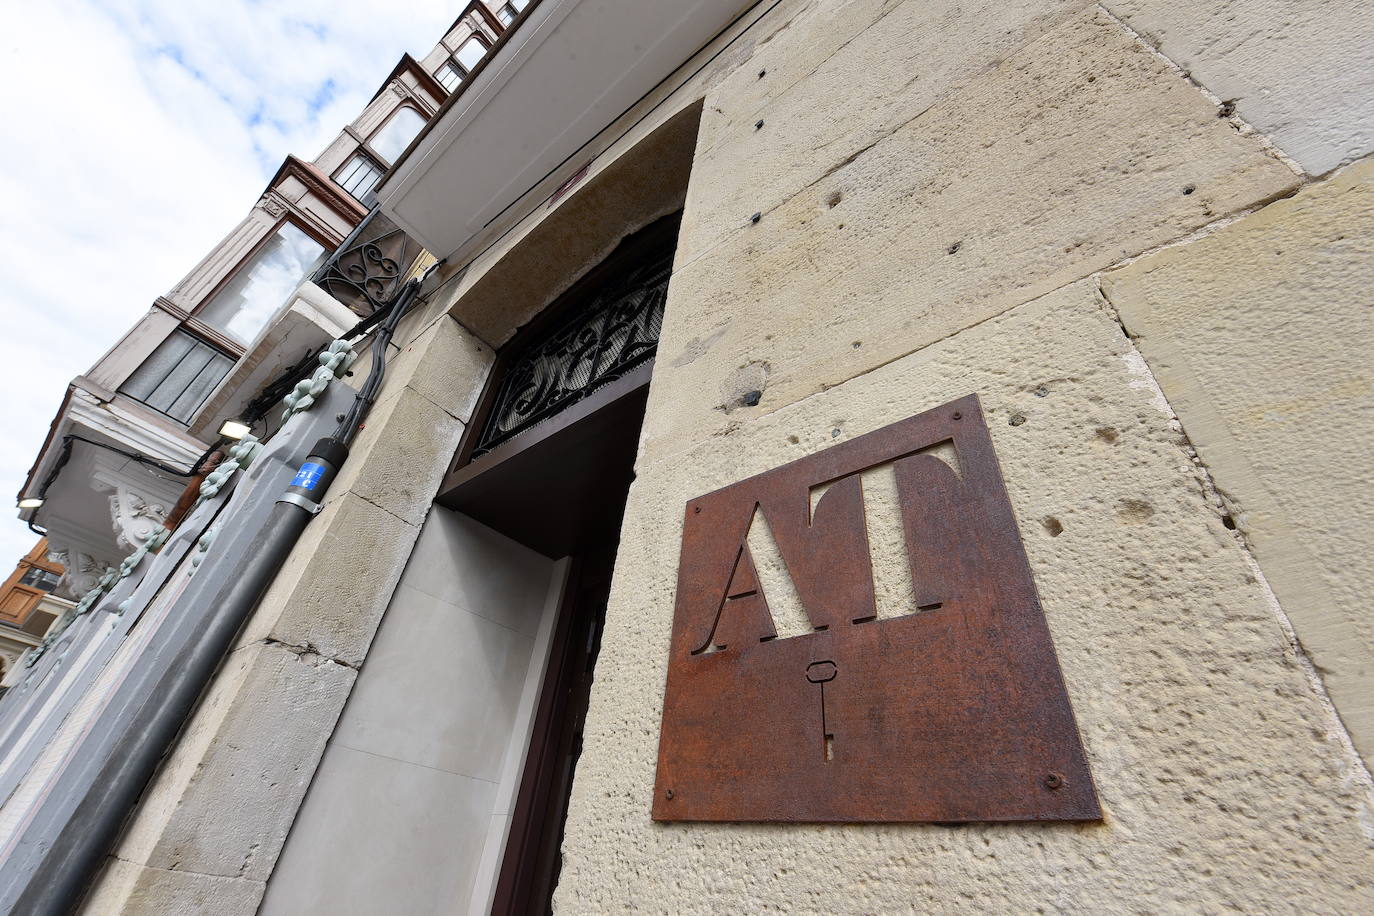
x,y
834,457
28,607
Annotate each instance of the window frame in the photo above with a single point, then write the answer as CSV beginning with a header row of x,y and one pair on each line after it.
x,y
365,143
452,59
189,331
42,576
364,151
212,335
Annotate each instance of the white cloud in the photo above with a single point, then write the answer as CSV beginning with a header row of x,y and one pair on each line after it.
x,y
140,132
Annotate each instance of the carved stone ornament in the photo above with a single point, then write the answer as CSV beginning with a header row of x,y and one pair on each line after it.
x,y
272,205
399,88
802,686
134,517
81,571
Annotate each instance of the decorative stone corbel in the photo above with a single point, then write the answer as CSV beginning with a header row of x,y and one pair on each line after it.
x,y
135,518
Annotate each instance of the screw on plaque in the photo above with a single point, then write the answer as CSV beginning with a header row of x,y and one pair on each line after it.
x,y
1054,781
822,673
668,794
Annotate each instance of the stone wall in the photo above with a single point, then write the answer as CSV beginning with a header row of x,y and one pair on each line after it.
x,y
945,191
1151,258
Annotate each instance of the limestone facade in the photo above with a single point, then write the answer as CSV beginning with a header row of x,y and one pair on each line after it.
x,y
1139,233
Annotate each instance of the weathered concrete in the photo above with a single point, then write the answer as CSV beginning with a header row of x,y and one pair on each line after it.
x,y
1301,71
1212,751
1080,148
1261,336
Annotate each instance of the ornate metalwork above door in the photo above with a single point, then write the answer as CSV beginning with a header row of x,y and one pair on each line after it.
x,y
612,334
803,687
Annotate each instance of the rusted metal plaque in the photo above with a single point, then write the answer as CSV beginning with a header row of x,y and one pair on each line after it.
x,y
947,706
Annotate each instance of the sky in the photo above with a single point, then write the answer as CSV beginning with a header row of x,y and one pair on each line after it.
x,y
138,133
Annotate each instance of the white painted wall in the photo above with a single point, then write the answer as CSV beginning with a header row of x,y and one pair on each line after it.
x,y
422,769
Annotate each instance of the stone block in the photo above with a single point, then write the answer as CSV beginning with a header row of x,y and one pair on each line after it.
x,y
222,803
1261,336
400,455
1300,71
442,361
334,587
1073,153
839,78
124,887
1078,150
1211,749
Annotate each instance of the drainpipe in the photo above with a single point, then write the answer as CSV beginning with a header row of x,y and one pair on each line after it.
x,y
66,872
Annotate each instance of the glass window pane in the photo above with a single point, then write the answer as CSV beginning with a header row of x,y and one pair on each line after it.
x,y
519,4
155,368
199,386
470,53
506,14
448,75
255,294
39,578
359,175
179,375
396,134
170,388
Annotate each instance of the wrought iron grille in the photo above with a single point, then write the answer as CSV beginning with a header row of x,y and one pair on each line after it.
x,y
369,267
612,334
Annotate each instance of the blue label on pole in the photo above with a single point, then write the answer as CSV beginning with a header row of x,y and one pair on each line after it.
x,y
309,475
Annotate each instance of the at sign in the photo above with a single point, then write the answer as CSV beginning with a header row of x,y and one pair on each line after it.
x,y
950,708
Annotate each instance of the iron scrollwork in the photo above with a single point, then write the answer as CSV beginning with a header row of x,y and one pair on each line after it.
x,y
613,334
370,266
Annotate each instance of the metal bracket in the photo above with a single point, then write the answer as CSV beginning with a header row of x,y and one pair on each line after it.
x,y
297,499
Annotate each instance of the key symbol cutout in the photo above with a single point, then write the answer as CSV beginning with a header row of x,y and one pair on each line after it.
x,y
821,673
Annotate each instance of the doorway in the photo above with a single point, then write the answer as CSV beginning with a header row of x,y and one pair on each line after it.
x,y
548,462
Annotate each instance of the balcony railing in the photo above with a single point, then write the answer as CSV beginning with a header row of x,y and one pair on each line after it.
x,y
368,268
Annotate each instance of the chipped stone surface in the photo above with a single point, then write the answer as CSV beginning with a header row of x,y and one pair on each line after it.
x,y
334,587
223,801
1071,154
1224,786
131,888
1301,71
1261,335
